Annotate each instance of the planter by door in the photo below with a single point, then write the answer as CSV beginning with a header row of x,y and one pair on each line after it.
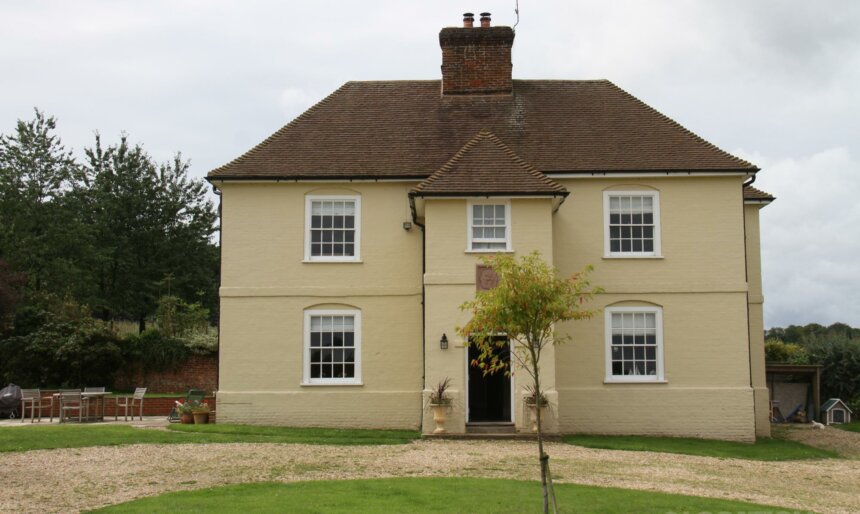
x,y
440,415
533,415
186,419
201,418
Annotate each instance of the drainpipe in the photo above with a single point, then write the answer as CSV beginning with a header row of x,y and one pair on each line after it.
x,y
423,301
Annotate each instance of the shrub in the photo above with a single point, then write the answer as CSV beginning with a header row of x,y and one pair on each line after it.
x,y
201,342
154,351
776,350
58,345
840,365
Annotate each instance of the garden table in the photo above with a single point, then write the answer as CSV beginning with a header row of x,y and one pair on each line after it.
x,y
99,397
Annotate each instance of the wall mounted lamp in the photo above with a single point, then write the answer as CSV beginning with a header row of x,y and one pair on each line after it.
x,y
443,343
407,225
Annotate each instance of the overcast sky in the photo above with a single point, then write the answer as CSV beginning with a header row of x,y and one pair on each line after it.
x,y
775,82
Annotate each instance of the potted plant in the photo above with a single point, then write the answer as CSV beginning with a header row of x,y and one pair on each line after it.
x,y
439,402
200,410
533,402
186,415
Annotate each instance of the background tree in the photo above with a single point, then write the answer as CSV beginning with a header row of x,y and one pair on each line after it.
x,y
10,292
528,302
149,221
836,348
97,239
39,233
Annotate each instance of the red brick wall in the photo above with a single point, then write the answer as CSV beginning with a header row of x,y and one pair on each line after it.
x,y
151,406
198,372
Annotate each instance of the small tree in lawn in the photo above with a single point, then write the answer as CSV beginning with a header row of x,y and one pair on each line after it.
x,y
528,301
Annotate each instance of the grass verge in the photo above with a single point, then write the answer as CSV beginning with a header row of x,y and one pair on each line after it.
x,y
851,427
766,449
412,495
78,436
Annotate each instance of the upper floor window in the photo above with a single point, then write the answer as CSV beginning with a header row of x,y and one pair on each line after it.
x,y
634,344
489,227
332,228
631,223
332,347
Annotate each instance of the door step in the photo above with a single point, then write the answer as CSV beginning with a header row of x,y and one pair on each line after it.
x,y
490,428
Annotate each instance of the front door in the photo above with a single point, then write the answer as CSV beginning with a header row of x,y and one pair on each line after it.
x,y
489,396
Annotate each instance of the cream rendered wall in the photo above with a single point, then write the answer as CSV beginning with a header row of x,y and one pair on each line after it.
x,y
450,280
266,288
700,284
756,320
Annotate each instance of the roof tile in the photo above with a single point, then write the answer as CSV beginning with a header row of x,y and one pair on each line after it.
x,y
485,165
408,129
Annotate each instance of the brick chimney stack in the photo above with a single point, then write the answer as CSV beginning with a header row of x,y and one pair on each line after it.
x,y
476,60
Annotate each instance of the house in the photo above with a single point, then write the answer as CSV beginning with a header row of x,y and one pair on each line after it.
x,y
835,412
351,236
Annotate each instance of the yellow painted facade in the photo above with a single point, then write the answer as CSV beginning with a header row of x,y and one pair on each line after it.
x,y
756,320
266,288
711,316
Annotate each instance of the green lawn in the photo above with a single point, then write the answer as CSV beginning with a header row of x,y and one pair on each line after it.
x,y
762,449
851,427
76,436
412,495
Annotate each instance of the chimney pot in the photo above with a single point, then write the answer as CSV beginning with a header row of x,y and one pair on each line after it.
x,y
485,20
468,20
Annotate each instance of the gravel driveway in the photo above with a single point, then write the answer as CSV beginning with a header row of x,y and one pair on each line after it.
x,y
69,480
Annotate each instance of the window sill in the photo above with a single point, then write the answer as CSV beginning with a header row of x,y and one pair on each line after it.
x,y
634,381
332,261
332,384
632,256
488,251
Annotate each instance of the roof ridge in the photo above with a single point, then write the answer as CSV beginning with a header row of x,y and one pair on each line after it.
x,y
489,135
450,162
295,121
518,160
689,133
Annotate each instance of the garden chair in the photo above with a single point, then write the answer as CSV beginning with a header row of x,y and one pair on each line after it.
x,y
128,403
96,390
71,400
33,398
193,395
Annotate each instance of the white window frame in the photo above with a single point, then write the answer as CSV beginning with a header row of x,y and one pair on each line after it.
x,y
309,200
356,380
658,316
607,253
470,218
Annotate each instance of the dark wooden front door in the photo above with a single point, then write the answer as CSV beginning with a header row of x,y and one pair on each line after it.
x,y
489,396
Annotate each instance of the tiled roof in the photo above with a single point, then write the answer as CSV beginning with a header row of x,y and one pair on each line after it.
x,y
408,129
751,193
486,165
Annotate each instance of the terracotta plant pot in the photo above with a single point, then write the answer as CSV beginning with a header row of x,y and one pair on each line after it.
x,y
440,415
186,418
201,418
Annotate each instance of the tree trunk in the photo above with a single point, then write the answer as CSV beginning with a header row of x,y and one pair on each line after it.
x,y
141,324
545,477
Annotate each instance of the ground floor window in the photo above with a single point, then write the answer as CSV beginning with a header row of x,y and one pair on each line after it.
x,y
634,344
332,347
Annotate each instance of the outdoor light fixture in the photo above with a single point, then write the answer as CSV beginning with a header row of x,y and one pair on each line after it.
x,y
407,225
443,343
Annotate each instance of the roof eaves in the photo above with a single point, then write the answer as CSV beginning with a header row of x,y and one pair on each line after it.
x,y
301,117
689,133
